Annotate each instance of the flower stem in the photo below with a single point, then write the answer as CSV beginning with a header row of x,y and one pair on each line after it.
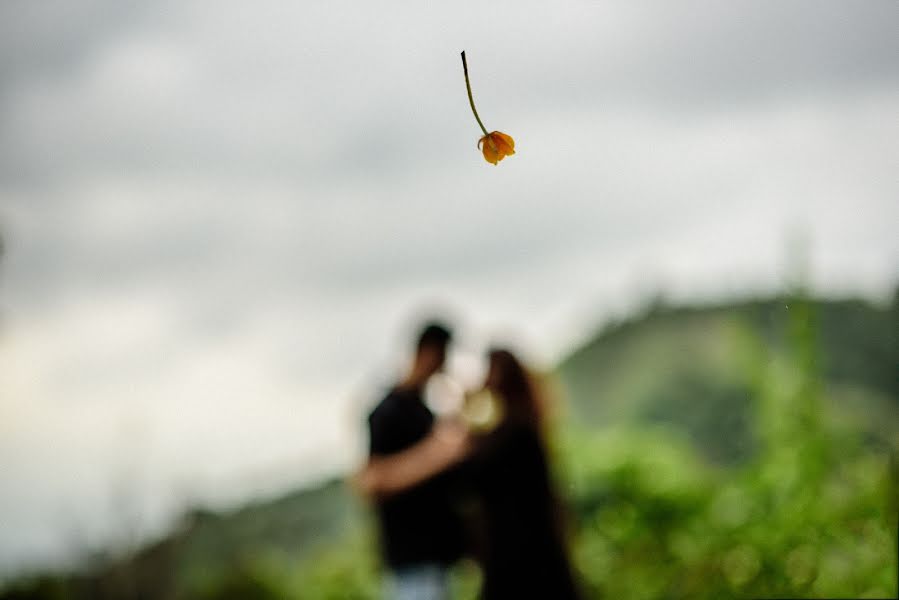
x,y
470,99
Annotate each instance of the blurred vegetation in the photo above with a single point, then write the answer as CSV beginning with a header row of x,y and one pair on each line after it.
x,y
745,450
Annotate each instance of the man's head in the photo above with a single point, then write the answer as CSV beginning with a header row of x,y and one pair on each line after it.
x,y
431,349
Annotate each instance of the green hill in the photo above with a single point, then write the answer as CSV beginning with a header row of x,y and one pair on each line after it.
x,y
207,545
296,525
694,367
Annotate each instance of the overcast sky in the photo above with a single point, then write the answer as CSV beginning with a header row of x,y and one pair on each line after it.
x,y
220,218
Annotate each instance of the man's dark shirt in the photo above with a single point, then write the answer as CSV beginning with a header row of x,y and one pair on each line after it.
x,y
418,525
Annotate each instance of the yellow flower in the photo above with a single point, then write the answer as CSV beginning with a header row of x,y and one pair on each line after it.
x,y
496,146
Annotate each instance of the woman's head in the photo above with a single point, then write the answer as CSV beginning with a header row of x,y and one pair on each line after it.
x,y
508,379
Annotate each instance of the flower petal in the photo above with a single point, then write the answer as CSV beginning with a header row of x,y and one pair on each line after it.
x,y
491,153
504,140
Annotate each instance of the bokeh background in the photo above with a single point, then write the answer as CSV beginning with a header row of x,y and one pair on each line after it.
x,y
221,220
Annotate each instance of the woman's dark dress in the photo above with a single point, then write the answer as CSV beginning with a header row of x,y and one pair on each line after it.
x,y
524,553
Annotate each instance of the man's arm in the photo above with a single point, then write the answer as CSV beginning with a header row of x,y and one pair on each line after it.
x,y
388,474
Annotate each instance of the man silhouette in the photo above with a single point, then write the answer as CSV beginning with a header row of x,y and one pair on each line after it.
x,y
421,534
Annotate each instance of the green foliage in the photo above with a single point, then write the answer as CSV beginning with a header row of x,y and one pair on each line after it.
x,y
783,526
344,572
812,514
242,584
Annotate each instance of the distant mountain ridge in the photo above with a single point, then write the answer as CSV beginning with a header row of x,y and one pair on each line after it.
x,y
687,365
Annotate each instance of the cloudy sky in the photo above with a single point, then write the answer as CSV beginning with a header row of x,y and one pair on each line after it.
x,y
219,218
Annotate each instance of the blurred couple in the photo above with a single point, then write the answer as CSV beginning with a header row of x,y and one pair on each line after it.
x,y
444,490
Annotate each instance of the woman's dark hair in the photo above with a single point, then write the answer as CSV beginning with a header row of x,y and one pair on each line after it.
x,y
511,381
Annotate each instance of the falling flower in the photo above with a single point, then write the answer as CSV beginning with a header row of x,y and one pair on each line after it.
x,y
497,145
